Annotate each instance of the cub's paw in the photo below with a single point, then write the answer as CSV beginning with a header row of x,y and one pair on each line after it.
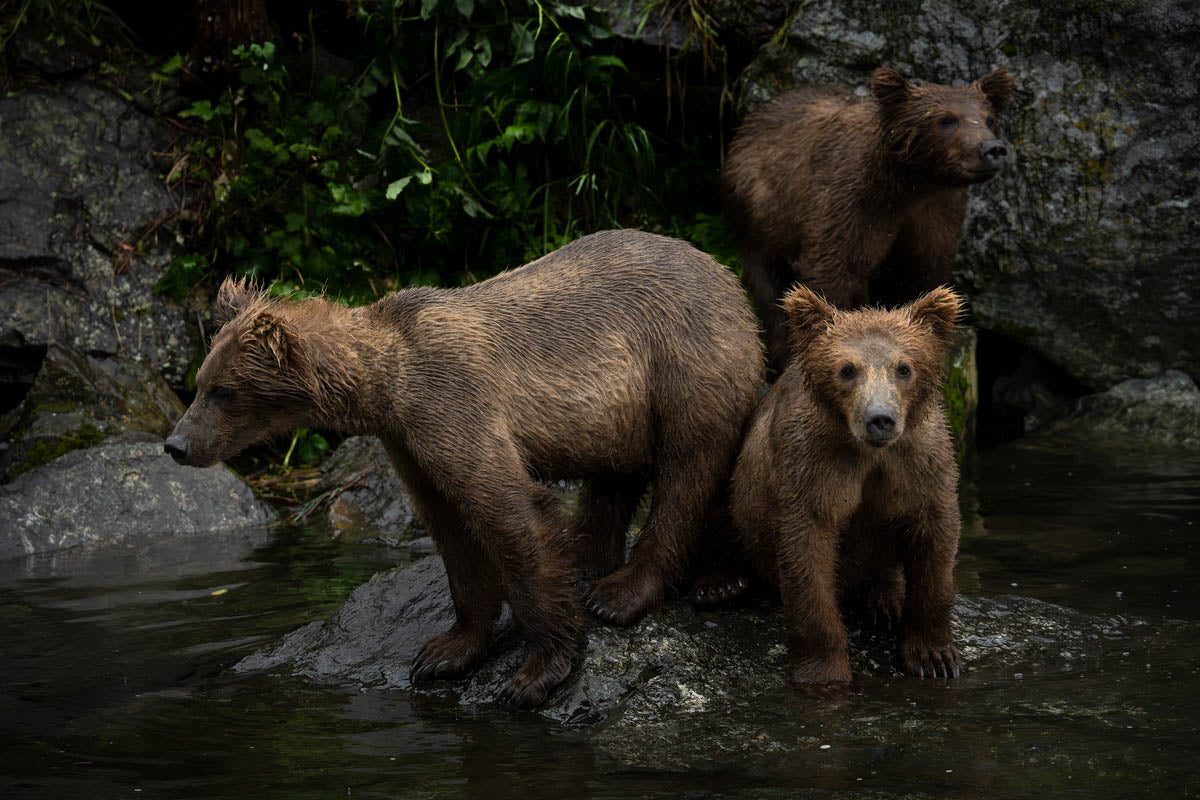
x,y
534,681
933,661
621,598
448,655
820,677
718,587
882,607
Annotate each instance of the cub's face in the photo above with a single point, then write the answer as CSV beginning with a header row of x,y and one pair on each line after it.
x,y
946,131
232,410
873,368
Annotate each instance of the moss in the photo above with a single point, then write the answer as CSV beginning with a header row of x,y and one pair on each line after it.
x,y
43,451
960,392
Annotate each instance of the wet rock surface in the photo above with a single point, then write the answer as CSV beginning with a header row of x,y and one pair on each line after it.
x,y
125,486
369,502
76,401
1084,249
1163,410
674,664
84,222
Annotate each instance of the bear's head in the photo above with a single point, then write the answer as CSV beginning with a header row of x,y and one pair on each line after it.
x,y
878,370
945,132
274,366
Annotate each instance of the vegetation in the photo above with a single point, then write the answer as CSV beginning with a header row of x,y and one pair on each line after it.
x,y
470,136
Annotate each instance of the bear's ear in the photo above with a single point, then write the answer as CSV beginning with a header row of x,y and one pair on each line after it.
x,y
997,87
276,337
234,297
808,315
938,312
888,87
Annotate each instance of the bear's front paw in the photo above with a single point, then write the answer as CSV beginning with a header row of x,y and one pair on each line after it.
x,y
448,655
933,661
540,673
623,597
822,676
718,587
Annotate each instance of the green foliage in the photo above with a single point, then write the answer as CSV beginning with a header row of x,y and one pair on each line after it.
x,y
58,19
472,136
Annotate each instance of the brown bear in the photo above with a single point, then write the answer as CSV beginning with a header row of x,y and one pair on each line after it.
x,y
861,199
623,359
845,492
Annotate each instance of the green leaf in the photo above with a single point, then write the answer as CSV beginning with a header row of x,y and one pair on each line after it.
x,y
396,187
427,8
465,7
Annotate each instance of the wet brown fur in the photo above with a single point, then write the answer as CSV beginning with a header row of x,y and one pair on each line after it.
x,y
623,359
861,199
831,520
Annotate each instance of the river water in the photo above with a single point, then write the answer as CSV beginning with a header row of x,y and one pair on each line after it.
x,y
114,678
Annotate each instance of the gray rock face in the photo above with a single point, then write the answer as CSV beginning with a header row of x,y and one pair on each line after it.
x,y
76,400
1161,410
674,662
370,500
124,486
80,196
1086,248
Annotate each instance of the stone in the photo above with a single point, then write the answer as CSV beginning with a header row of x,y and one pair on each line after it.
x,y
124,486
1163,410
368,501
77,400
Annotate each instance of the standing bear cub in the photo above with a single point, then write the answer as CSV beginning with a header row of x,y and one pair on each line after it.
x,y
624,359
846,489
860,199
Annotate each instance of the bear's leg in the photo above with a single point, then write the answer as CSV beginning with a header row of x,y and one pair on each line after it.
x,y
475,589
768,282
816,636
526,537
871,578
606,506
926,645
685,485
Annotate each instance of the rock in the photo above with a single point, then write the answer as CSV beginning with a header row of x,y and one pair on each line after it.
x,y
369,501
674,663
1084,249
124,486
1164,410
78,400
85,231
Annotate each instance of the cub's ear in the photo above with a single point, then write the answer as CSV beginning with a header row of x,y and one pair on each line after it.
x,y
888,87
808,315
276,339
234,297
997,87
937,311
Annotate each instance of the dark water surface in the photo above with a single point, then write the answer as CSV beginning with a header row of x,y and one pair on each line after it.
x,y
114,682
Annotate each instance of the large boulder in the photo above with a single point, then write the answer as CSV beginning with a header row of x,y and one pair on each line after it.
x,y
364,495
1163,410
86,230
76,401
125,486
1085,248
673,663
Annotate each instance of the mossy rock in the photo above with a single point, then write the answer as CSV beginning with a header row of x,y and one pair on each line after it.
x,y
960,391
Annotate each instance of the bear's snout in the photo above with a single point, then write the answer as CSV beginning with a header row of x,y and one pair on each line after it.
x,y
881,426
178,448
993,152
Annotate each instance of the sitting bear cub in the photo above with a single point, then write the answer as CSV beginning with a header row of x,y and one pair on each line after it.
x,y
845,491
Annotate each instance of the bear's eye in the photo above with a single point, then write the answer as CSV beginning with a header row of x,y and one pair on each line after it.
x,y
847,372
221,394
904,371
948,122
990,122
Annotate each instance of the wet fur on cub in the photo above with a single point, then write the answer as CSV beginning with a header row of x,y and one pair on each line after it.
x,y
860,199
623,359
845,492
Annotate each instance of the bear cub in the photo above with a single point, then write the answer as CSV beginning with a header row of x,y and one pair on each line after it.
x,y
860,199
845,492
622,360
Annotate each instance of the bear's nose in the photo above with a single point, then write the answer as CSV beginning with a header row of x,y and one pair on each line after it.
x,y
994,152
880,425
177,447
